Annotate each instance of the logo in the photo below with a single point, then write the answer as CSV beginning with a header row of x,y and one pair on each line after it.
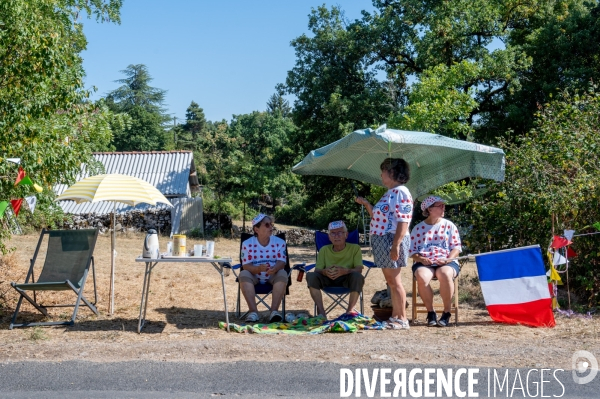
x,y
385,208
581,362
406,208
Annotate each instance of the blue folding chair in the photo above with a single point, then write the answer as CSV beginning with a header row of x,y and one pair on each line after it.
x,y
262,291
338,295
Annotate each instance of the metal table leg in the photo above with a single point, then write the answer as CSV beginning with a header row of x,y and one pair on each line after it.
x,y
145,291
219,268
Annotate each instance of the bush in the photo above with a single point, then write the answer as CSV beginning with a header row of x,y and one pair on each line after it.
x,y
552,183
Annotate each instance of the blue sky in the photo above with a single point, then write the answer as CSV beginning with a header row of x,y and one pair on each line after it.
x,y
225,55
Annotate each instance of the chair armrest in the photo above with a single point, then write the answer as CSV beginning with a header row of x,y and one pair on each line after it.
x,y
369,264
299,266
232,267
309,267
303,267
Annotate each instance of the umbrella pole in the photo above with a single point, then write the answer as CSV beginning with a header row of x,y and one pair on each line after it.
x,y
111,309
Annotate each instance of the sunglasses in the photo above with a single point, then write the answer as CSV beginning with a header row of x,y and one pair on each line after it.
x,y
337,233
268,224
438,206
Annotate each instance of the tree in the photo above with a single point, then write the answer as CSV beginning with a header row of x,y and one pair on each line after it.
x,y
552,183
144,104
260,163
277,105
189,134
45,118
195,122
429,66
563,42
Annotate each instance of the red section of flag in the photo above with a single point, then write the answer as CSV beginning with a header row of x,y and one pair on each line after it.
x,y
535,314
20,175
16,204
559,242
571,252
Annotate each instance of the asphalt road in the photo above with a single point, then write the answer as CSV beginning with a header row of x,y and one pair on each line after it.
x,y
80,379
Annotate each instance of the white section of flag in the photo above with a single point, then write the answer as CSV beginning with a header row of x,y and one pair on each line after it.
x,y
515,290
31,201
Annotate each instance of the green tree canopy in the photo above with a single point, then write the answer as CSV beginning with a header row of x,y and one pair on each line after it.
x,y
277,104
45,117
144,104
552,183
259,165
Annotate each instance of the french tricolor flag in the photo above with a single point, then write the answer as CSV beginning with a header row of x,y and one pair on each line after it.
x,y
515,286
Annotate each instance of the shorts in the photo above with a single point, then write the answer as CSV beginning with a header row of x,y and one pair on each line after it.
x,y
247,277
382,246
353,281
453,264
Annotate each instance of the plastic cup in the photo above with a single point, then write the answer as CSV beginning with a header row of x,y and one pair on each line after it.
x,y
210,249
198,250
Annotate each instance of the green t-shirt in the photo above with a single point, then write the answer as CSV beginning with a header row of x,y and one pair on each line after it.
x,y
349,257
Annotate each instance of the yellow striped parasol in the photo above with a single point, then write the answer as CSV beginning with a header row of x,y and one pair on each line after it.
x,y
116,188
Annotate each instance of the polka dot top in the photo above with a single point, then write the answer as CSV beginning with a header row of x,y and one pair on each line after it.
x,y
434,241
394,207
255,254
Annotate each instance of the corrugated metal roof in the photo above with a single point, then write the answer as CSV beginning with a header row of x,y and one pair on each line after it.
x,y
168,171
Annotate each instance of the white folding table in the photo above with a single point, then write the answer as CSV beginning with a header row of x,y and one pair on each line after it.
x,y
151,263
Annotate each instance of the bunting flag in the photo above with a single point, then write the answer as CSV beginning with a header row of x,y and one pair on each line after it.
x,y
3,206
20,175
571,253
559,242
26,181
558,259
515,287
554,276
31,201
16,205
37,188
569,234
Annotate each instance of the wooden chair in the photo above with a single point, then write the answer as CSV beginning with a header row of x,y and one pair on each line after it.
x,y
418,307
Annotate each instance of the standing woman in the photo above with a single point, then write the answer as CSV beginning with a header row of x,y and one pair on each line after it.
x,y
390,218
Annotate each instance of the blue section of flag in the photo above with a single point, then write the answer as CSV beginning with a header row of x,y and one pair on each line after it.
x,y
524,262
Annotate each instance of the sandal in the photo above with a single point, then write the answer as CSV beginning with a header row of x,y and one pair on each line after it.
x,y
251,317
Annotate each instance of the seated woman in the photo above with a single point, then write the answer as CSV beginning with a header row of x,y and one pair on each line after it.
x,y
434,244
263,259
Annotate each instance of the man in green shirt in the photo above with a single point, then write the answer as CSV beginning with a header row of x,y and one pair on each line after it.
x,y
338,265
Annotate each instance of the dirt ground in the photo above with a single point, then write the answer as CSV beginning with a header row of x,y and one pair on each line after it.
x,y
186,304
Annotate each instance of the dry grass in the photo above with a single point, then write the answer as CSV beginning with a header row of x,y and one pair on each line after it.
x,y
186,304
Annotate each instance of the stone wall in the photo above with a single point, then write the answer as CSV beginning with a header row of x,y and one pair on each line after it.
x,y
292,236
132,221
160,220
141,221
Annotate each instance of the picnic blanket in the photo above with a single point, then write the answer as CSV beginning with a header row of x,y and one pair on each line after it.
x,y
312,325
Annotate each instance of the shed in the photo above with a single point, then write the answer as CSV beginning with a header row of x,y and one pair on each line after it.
x,y
173,173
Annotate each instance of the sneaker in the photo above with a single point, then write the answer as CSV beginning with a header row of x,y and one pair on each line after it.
x,y
444,321
432,319
397,324
275,317
251,317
